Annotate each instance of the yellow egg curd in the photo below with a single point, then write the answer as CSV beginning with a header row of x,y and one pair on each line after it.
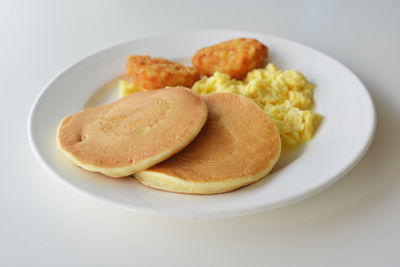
x,y
286,96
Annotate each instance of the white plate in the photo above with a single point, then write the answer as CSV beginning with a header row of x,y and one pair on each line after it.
x,y
341,140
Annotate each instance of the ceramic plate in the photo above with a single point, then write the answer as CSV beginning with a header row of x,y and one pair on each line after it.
x,y
340,142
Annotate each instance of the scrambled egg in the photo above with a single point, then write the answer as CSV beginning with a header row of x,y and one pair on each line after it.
x,y
126,88
286,96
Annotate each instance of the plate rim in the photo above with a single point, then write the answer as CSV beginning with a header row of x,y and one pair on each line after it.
x,y
232,212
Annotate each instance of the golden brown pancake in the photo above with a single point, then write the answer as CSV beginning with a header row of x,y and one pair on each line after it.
x,y
238,145
133,133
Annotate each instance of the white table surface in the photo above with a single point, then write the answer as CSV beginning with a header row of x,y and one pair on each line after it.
x,y
355,222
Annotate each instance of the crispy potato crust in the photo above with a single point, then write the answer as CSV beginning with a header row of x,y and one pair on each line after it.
x,y
153,73
234,57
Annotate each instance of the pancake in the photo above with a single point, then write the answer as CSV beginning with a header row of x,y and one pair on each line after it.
x,y
133,133
238,145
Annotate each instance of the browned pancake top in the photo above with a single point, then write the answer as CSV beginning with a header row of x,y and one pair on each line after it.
x,y
238,140
134,128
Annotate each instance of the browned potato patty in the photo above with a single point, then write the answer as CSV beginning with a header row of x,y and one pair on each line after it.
x,y
235,57
153,73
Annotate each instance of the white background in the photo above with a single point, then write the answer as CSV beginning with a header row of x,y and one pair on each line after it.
x,y
355,222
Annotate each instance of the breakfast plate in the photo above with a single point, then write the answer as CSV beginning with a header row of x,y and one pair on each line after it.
x,y
340,142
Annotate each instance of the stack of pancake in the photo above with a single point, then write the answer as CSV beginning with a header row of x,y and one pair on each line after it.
x,y
172,139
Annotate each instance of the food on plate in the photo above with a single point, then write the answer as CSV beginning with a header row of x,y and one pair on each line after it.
x,y
154,73
133,133
249,112
238,145
234,57
286,96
